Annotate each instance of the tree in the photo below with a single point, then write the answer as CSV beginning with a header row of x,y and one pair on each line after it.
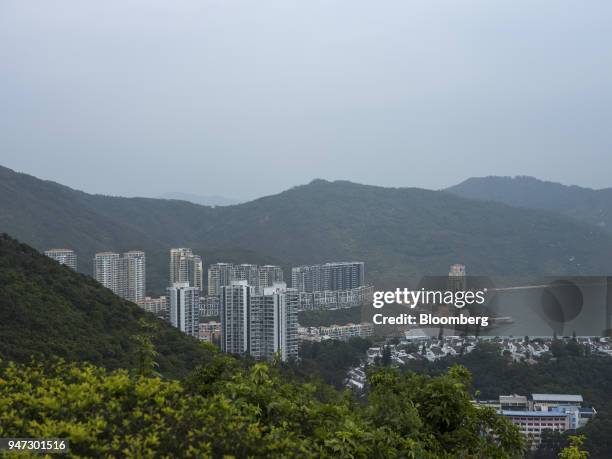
x,y
228,408
574,450
146,355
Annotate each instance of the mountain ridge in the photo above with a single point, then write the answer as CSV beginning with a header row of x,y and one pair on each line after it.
x,y
401,233
593,206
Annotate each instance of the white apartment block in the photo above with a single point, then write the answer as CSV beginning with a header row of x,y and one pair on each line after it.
x,y
184,306
236,319
124,274
63,257
263,325
343,275
106,270
134,274
186,267
157,306
219,275
258,277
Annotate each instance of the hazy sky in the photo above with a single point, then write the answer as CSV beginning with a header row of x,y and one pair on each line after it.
x,y
245,98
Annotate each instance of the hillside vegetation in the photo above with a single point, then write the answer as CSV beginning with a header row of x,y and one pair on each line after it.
x,y
224,410
584,204
49,310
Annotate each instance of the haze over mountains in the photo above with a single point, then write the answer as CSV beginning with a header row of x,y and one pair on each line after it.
x,y
213,200
399,232
585,204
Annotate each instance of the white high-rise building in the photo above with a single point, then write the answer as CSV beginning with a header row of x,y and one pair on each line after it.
x,y
63,256
186,267
258,277
236,318
106,270
125,275
247,272
134,274
270,275
261,325
219,275
184,305
197,272
278,309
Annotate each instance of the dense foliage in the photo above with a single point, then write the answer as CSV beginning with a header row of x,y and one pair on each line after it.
x,y
225,408
49,310
398,232
326,317
570,372
331,359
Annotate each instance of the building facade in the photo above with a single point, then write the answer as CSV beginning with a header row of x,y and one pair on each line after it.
x,y
336,299
236,320
328,276
63,257
262,325
209,306
337,332
258,277
107,269
124,274
219,275
133,275
184,307
157,306
185,266
277,309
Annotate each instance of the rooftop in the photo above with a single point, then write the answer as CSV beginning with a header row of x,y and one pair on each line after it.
x,y
556,398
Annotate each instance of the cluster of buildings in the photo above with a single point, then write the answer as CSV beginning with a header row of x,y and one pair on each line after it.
x,y
337,332
331,285
336,299
542,412
243,308
417,346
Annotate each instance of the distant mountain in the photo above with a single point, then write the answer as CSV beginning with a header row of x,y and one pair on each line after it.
x,y
49,310
585,204
202,200
399,232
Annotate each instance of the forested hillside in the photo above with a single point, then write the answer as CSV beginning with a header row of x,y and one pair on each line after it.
x,y
584,204
49,310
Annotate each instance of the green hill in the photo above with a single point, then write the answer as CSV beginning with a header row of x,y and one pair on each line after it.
x,y
584,204
49,310
399,232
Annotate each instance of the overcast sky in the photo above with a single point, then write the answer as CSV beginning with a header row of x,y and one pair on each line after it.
x,y
246,98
